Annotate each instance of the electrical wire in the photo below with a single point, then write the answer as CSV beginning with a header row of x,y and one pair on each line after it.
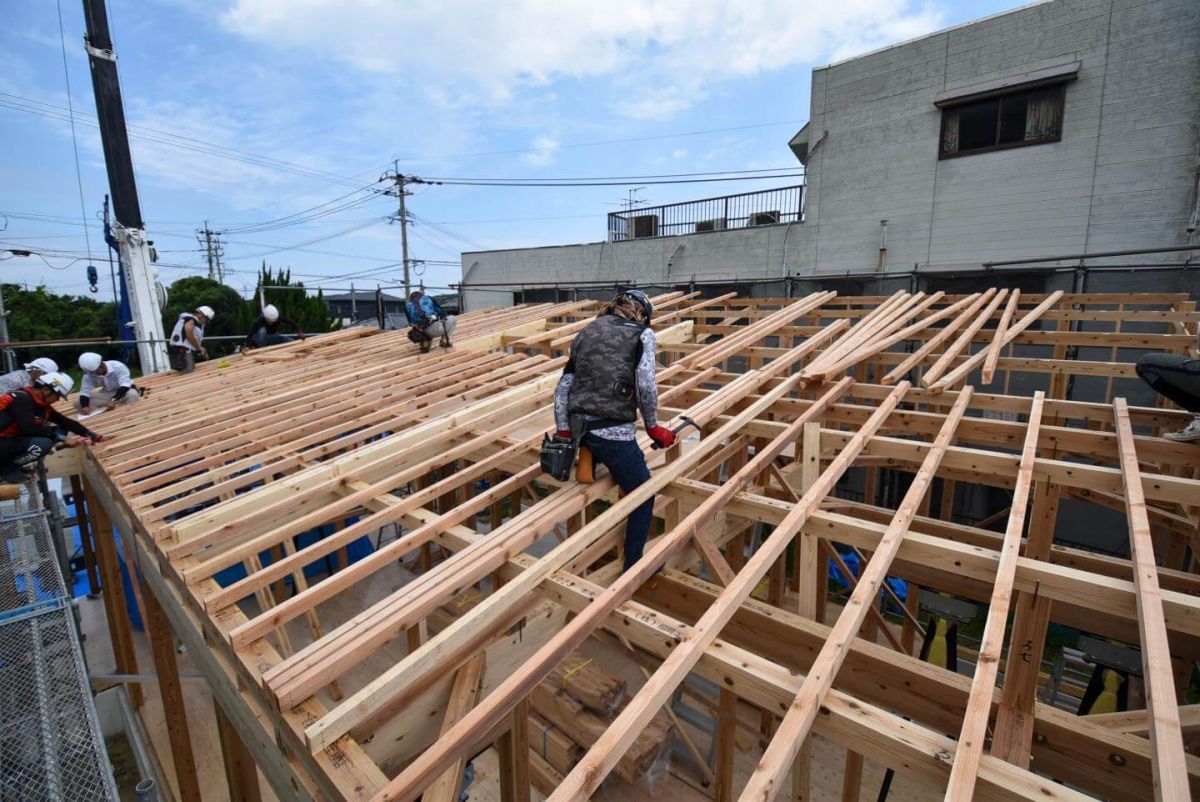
x,y
759,171
469,183
602,142
171,139
312,213
62,38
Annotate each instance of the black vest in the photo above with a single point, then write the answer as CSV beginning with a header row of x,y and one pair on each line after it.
x,y
605,356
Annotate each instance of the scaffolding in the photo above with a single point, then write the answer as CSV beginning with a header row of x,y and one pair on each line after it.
x,y
51,747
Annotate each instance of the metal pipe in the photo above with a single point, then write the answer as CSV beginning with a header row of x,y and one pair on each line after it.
x,y
1097,255
147,790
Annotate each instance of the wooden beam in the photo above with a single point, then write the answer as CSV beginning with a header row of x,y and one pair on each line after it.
x,y
113,594
1170,767
241,774
605,753
727,718
979,706
409,784
993,349
768,776
162,644
463,696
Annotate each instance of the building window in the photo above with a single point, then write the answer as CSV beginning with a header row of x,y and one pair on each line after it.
x,y
1030,117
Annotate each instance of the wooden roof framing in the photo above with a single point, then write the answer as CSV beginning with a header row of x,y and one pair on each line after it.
x,y
222,469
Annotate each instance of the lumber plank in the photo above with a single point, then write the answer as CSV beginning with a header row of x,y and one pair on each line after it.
x,y
1166,738
974,727
768,776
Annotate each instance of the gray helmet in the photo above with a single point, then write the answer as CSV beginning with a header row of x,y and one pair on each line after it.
x,y
639,298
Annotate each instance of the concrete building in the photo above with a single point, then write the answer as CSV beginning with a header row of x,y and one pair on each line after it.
x,y
1062,127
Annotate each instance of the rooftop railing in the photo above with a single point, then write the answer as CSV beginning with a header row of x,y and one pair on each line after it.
x,y
747,210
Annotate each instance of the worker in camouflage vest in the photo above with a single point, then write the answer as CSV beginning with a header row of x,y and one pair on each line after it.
x,y
609,377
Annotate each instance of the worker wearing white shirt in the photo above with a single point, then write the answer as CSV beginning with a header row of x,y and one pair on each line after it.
x,y
106,382
20,379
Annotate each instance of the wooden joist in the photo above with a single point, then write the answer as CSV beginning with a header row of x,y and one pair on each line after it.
x,y
357,424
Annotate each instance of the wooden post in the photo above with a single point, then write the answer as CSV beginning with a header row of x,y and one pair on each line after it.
x,y
726,744
85,535
852,776
240,772
520,751
162,643
114,596
1013,734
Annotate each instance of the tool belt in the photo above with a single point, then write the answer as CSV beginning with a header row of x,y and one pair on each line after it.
x,y
558,456
558,453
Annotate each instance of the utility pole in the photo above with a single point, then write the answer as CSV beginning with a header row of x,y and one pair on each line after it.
x,y
401,192
211,242
6,353
128,228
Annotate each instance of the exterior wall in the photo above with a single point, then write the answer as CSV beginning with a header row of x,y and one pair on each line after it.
x,y
1122,177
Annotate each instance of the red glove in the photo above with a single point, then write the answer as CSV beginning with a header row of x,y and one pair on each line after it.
x,y
96,437
563,434
664,437
300,335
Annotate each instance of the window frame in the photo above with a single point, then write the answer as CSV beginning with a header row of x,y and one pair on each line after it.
x,y
1059,86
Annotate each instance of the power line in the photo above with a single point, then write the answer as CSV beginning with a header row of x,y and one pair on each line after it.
x,y
759,171
593,183
598,143
52,112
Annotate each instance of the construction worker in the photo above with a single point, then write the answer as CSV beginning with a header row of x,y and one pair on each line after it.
x,y
428,320
265,330
106,382
20,379
609,377
187,338
30,426
1176,377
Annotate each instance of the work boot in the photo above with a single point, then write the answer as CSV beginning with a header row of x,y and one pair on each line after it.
x,y
426,345
445,342
1189,434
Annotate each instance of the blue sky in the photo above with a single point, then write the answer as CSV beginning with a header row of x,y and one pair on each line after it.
x,y
246,111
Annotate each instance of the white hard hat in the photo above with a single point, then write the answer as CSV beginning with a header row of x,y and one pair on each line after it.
x,y
89,362
44,364
271,313
60,383
207,311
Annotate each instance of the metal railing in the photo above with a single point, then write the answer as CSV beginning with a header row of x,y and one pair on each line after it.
x,y
749,209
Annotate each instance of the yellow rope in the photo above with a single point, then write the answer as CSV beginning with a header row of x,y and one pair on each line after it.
x,y
572,672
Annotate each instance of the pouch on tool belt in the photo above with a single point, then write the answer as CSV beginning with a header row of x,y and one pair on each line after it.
x,y
558,457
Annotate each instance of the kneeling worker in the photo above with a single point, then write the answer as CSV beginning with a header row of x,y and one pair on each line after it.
x,y
106,382
608,378
20,379
428,320
187,339
1177,377
30,426
265,330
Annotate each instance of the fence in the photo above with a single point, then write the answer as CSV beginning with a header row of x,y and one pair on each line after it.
x,y
748,209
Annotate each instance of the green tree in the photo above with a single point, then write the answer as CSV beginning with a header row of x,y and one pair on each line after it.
x,y
232,315
37,314
291,299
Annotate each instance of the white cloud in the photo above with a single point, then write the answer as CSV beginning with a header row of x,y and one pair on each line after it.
x,y
469,47
544,150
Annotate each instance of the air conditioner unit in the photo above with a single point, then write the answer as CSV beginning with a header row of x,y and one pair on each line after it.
x,y
645,225
764,218
717,224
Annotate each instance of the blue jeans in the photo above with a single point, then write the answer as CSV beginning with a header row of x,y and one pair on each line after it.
x,y
627,464
1173,376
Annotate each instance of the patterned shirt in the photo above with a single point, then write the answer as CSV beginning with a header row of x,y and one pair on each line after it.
x,y
647,391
